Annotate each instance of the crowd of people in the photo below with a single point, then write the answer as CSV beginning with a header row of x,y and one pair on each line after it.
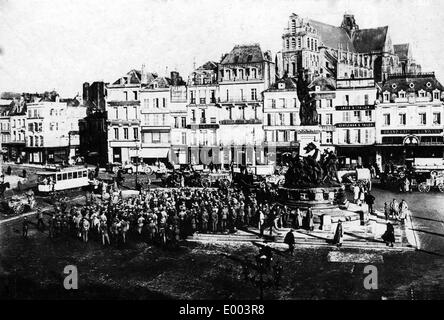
x,y
166,216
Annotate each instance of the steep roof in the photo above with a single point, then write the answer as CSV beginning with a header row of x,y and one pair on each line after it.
x,y
325,84
132,77
209,65
244,54
362,41
402,50
422,81
289,84
367,40
332,36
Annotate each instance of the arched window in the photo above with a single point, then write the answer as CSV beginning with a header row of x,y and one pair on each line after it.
x,y
287,44
293,43
293,26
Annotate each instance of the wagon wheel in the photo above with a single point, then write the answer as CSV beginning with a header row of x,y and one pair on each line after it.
x,y
205,183
149,170
441,187
423,187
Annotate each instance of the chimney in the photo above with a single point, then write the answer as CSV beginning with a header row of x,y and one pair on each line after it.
x,y
144,76
175,78
86,91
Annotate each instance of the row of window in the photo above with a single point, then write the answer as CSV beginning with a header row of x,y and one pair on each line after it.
x,y
421,94
156,137
242,115
282,103
203,137
422,119
295,43
126,136
16,123
35,127
281,119
35,141
239,73
243,96
202,96
155,103
357,136
356,116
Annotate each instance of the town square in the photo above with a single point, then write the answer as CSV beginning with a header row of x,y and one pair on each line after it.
x,y
301,159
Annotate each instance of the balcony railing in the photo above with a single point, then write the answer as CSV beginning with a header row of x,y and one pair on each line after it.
x,y
124,103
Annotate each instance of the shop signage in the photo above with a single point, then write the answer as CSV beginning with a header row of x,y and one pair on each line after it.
x,y
356,107
355,125
414,131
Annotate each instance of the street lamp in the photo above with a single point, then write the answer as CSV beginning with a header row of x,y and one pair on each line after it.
x,y
138,147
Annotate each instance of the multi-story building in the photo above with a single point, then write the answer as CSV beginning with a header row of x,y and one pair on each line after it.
x,y
93,128
5,130
409,118
281,117
244,74
123,112
16,144
203,115
156,121
341,52
52,132
177,104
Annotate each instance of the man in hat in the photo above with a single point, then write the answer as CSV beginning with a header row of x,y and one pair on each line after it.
x,y
337,239
40,223
290,241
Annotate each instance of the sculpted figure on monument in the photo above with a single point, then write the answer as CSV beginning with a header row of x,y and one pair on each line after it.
x,y
309,171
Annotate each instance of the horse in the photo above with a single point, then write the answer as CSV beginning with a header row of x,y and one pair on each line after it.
x,y
3,187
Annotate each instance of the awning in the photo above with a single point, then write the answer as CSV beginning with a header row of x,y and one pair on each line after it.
x,y
156,153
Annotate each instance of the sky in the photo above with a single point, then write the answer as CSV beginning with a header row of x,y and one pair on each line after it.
x,y
59,44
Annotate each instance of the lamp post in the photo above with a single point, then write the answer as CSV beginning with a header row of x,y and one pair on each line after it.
x,y
137,163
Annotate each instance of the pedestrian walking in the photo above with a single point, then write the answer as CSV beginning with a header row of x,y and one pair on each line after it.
x,y
386,210
356,190
85,230
370,200
389,235
309,220
214,220
40,223
394,209
290,241
25,227
403,208
337,239
104,233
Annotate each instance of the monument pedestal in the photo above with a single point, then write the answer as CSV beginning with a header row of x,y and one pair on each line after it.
x,y
321,201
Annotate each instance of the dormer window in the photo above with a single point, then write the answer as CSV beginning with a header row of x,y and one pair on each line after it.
x,y
421,93
386,97
401,94
394,86
428,85
317,88
281,85
436,95
411,85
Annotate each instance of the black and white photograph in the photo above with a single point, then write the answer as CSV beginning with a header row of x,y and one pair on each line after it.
x,y
232,151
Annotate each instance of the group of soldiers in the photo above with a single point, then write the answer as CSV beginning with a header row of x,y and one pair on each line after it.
x,y
166,216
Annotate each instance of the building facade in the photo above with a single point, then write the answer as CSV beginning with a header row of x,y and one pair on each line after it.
x,y
52,131
123,113
409,120
281,117
244,74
